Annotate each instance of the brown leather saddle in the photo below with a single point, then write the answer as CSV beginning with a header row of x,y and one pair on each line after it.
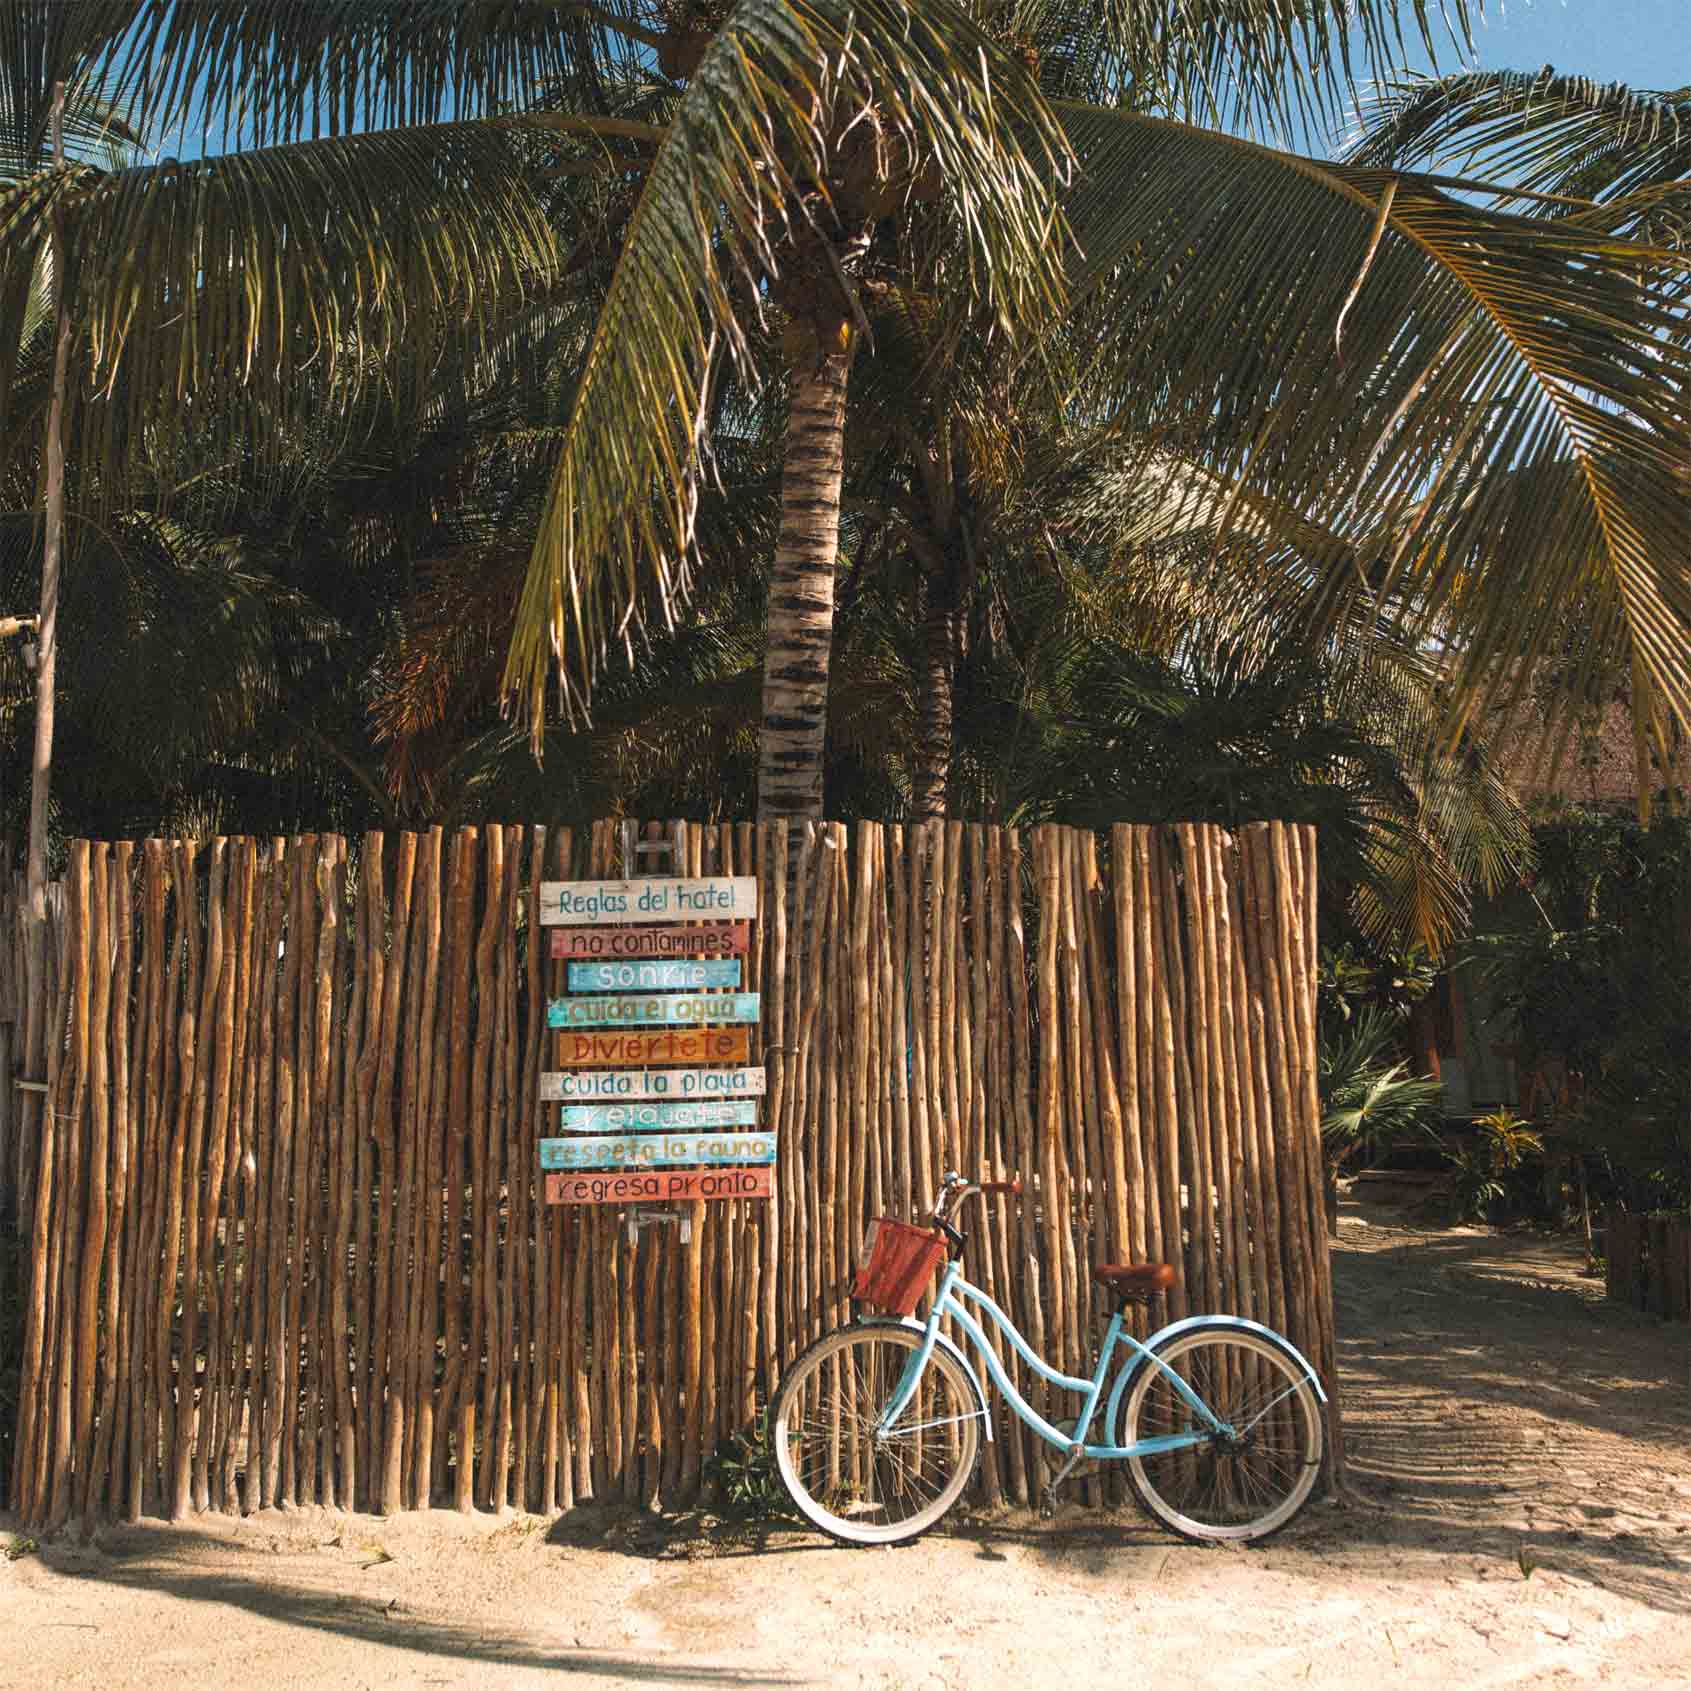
x,y
1134,1282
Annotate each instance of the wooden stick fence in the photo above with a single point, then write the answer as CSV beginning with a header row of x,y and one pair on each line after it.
x,y
284,1232
1647,1262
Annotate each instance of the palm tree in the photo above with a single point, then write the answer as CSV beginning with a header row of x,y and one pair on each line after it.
x,y
1385,354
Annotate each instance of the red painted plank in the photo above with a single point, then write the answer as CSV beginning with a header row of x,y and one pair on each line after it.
x,y
660,1186
703,939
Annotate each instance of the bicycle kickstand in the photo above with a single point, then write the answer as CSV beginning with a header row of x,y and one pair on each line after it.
x,y
1048,1493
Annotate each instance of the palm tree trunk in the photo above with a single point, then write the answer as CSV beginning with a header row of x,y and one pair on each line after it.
x,y
52,548
801,593
47,651
931,763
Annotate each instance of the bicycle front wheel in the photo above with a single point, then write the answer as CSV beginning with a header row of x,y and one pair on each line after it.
x,y
854,1483
1243,1484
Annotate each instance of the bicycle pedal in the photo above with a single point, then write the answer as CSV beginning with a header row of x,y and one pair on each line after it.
x,y
1047,1504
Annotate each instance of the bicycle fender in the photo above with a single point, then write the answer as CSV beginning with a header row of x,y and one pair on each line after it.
x,y
941,1342
1193,1322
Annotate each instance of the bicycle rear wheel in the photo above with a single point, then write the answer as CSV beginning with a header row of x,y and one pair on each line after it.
x,y
1241,1486
854,1485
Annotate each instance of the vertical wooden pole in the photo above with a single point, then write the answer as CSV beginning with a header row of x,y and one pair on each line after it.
x,y
323,1189
299,1449
372,928
96,993
481,1223
343,1171
182,1188
238,1234
528,1221
457,1131
558,1479
111,1460
262,1193
504,1140
434,1036
220,1036
392,1238
1159,990
420,1296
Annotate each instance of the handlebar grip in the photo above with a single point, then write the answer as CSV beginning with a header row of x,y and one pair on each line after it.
x,y
1013,1187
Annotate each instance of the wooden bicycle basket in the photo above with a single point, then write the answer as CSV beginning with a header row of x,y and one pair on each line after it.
x,y
897,1263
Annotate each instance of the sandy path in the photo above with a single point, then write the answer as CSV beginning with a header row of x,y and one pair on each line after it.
x,y
1501,1418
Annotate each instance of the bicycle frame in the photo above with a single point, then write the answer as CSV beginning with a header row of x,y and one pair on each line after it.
x,y
954,1288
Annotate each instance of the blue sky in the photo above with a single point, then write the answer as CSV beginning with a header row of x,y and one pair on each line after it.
x,y
1643,42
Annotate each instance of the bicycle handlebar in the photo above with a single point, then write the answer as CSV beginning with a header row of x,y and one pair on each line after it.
x,y
954,1189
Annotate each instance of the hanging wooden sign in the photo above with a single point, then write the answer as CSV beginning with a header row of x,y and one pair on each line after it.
x,y
669,899
645,1118
650,1150
653,1010
680,1185
706,939
654,976
585,1049
685,1085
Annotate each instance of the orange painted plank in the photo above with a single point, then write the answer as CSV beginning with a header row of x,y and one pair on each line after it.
x,y
580,1049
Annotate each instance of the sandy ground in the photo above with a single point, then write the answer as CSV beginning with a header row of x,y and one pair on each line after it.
x,y
1521,1514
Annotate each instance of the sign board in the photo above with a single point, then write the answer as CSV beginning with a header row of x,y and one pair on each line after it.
x,y
707,939
649,1150
717,898
654,976
586,1049
653,1010
658,1186
681,1084
643,1118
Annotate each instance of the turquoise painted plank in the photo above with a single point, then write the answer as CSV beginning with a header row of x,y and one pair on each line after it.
x,y
656,1150
653,1010
637,1118
654,977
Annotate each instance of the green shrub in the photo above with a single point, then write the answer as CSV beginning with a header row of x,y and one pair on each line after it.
x,y
1504,1145
1600,980
742,1473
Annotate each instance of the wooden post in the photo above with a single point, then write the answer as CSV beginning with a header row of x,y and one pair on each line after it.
x,y
392,1231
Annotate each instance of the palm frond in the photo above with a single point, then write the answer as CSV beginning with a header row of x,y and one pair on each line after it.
x,y
1544,133
261,72
1506,401
236,273
1235,63
760,116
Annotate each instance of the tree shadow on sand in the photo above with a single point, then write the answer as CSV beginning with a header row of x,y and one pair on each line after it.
x,y
166,1564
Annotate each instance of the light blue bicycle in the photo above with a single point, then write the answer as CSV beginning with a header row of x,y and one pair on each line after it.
x,y
876,1427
